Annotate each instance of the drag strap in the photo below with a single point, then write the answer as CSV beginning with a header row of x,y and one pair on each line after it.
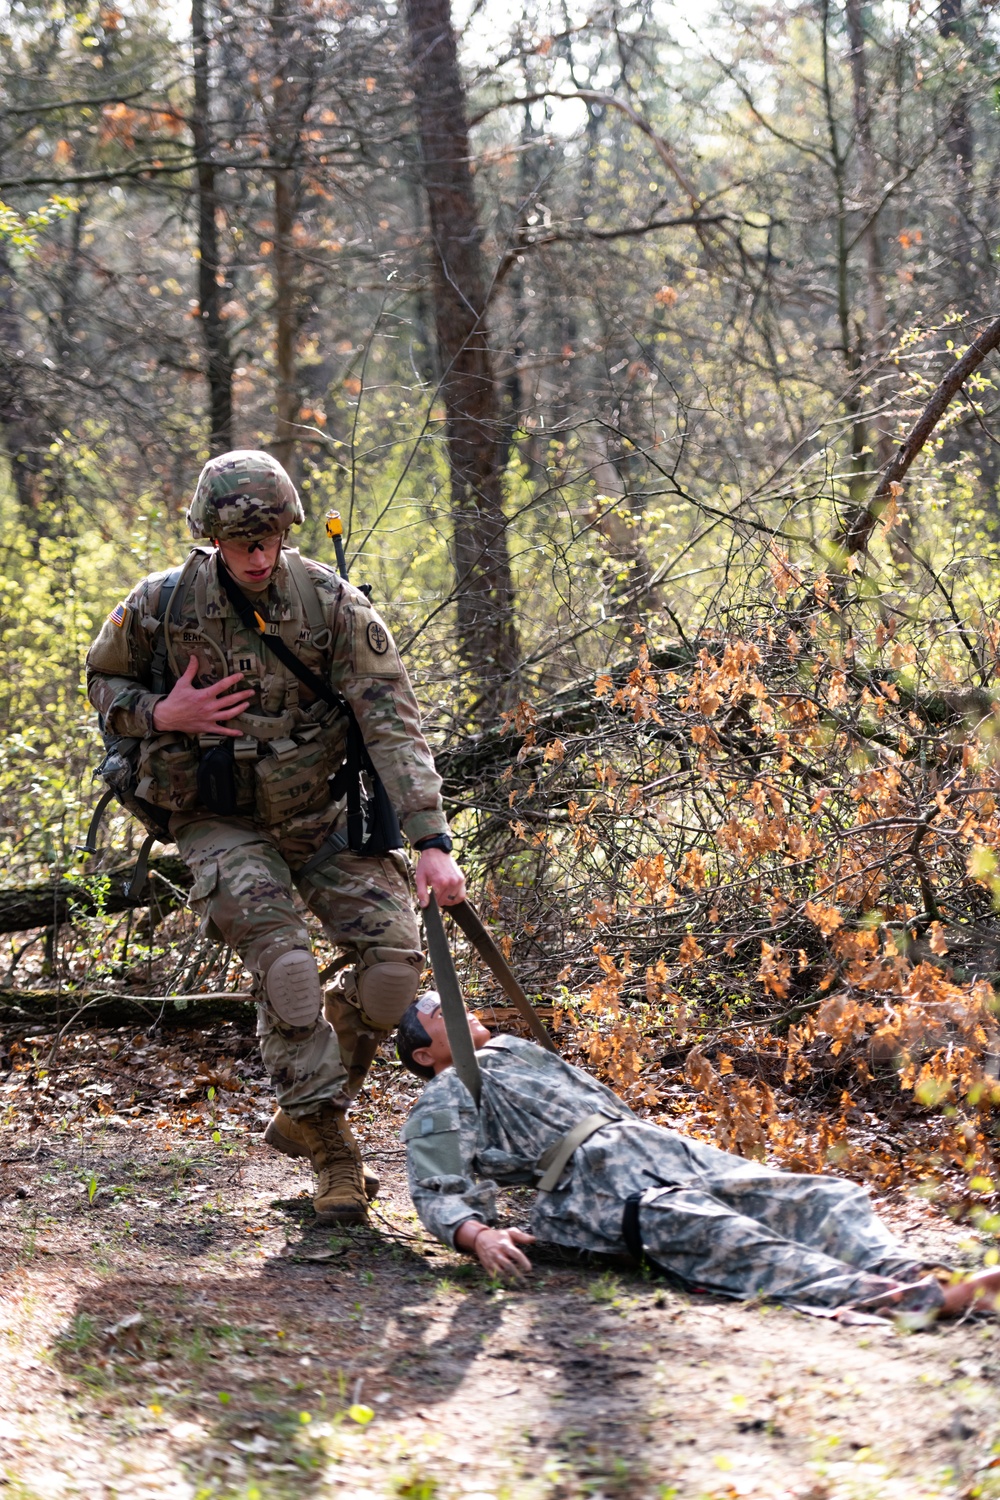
x,y
632,1235
456,1020
476,931
89,846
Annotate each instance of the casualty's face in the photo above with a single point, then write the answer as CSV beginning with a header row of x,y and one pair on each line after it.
x,y
432,1018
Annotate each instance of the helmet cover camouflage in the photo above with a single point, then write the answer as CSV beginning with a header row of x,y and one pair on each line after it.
x,y
243,496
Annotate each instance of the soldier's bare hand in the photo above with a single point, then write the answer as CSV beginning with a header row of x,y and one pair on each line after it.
x,y
438,872
496,1249
194,710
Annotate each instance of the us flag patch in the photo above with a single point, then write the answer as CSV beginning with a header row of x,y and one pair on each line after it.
x,y
117,615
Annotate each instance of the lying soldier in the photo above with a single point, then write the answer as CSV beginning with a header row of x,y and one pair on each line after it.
x,y
610,1182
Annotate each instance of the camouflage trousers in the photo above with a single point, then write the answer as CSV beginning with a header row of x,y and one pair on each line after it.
x,y
810,1240
728,1225
244,889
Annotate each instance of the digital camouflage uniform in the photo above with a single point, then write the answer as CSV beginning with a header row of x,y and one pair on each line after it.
x,y
245,867
712,1220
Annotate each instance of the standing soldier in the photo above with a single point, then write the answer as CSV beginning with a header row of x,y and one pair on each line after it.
x,y
227,690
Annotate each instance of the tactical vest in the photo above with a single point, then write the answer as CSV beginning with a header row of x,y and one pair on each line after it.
x,y
292,757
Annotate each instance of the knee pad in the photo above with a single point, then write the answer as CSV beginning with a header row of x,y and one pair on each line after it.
x,y
385,987
293,989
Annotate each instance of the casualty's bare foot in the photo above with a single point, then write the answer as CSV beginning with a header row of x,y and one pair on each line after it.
x,y
983,1287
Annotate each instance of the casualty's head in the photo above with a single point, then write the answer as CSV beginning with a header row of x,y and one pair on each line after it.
x,y
422,1038
245,503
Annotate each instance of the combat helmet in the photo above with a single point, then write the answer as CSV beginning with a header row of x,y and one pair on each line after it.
x,y
243,496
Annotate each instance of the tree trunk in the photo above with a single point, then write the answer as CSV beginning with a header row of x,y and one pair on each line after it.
x,y
31,1010
284,139
848,340
901,538
874,283
486,627
213,327
958,145
27,433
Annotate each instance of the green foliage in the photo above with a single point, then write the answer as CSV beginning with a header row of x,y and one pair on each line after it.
x,y
21,230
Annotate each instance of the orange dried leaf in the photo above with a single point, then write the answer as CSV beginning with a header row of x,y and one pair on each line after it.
x,y
938,944
698,1070
826,918
690,951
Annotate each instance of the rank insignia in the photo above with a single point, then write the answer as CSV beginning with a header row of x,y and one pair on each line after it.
x,y
245,664
378,638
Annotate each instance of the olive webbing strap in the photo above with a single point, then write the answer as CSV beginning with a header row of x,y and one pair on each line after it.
x,y
553,1162
456,1020
306,590
158,663
173,593
479,936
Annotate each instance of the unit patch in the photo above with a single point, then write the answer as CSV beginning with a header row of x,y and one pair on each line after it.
x,y
371,646
378,638
119,615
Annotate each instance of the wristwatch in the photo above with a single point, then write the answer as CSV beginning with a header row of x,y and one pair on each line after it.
x,y
440,841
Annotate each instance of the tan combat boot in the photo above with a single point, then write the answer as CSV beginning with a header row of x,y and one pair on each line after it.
x,y
333,1151
285,1135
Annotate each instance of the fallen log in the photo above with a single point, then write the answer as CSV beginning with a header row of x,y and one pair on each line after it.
x,y
49,903
79,1010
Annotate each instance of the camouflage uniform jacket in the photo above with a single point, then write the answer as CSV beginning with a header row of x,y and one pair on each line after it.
x,y
708,1218
355,652
530,1099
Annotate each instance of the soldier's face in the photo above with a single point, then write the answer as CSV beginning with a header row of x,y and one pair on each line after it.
x,y
251,563
438,1054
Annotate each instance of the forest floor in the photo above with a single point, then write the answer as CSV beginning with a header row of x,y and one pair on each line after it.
x,y
174,1324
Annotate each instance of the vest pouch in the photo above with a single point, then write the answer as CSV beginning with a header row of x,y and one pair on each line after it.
x,y
291,779
217,780
246,786
168,772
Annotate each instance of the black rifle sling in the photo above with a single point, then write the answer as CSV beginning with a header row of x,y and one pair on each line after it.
x,y
357,751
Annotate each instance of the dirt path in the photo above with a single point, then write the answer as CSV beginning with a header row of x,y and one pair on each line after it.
x,y
174,1325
